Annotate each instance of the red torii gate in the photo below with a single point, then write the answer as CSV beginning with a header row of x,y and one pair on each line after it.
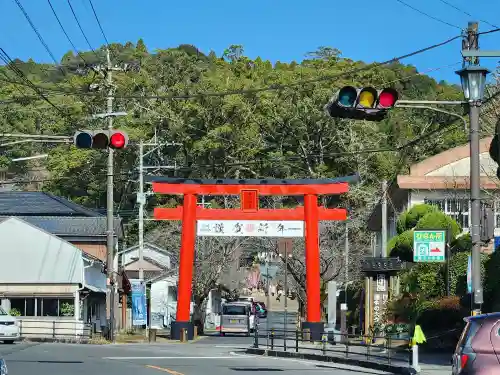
x,y
249,191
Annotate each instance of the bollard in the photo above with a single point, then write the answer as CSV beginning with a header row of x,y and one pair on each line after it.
x,y
296,340
323,342
306,334
272,339
414,357
184,335
284,339
256,337
195,332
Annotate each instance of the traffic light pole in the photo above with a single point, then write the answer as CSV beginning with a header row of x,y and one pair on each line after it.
x,y
110,240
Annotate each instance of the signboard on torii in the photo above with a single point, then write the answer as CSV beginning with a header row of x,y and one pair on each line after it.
x,y
250,191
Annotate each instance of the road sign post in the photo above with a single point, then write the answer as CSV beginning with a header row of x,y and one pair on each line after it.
x,y
429,245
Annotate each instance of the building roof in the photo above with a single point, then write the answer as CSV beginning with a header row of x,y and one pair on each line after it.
x,y
37,203
74,228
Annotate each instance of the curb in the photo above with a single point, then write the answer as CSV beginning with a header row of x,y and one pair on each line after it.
x,y
323,358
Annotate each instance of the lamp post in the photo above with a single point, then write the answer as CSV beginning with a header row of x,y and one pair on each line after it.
x,y
284,257
473,80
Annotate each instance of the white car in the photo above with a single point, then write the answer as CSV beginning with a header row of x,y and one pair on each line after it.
x,y
9,328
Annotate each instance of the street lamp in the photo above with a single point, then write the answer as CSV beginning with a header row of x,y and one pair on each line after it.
x,y
473,80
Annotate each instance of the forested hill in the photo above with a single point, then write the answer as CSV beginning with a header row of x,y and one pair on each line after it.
x,y
281,132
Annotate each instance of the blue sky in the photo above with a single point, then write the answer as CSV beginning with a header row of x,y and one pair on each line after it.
x,y
273,29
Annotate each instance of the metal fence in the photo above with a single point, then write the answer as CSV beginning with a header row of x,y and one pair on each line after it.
x,y
388,348
54,330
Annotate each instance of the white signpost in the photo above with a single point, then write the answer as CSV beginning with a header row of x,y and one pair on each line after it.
x,y
250,228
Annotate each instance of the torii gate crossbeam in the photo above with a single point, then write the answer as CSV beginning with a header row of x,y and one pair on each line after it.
x,y
189,213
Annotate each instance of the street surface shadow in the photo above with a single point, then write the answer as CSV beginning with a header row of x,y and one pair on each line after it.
x,y
255,369
42,361
357,371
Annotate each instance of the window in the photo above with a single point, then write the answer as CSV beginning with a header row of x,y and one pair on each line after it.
x,y
234,310
2,312
22,306
42,306
458,209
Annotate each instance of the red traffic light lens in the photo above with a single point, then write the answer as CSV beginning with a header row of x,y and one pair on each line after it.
x,y
387,98
117,140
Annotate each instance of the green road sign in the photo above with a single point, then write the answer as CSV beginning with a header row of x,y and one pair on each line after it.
x,y
429,245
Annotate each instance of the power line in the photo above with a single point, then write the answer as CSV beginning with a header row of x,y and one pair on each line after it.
x,y
274,87
36,32
465,12
6,58
81,28
65,33
428,15
99,23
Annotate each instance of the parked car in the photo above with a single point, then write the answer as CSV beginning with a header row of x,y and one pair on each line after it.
x,y
9,329
478,349
262,313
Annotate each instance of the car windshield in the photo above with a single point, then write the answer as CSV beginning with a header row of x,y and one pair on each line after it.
x,y
234,310
2,312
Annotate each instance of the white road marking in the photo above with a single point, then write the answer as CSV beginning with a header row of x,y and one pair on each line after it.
x,y
176,357
231,346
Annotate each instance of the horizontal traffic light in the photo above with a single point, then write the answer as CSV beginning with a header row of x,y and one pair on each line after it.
x,y
364,103
100,139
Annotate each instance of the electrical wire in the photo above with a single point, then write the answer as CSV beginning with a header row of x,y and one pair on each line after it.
x,y
274,87
81,29
65,33
8,61
99,23
428,15
465,12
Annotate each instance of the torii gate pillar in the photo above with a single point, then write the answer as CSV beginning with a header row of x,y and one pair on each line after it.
x,y
189,213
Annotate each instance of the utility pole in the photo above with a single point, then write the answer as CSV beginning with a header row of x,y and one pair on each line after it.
x,y
141,199
346,259
141,194
383,250
110,235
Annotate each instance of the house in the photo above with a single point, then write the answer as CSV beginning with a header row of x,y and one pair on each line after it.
x,y
83,228
52,285
442,180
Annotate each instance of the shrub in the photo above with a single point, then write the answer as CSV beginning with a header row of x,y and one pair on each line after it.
x,y
444,314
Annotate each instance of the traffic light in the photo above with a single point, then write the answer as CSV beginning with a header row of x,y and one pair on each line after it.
x,y
100,139
362,103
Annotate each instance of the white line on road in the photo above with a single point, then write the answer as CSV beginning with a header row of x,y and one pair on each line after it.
x,y
176,357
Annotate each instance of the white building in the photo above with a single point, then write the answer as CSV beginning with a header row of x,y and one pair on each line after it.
x,y
49,283
442,180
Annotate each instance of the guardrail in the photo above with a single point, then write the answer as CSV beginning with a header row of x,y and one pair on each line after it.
x,y
382,349
54,330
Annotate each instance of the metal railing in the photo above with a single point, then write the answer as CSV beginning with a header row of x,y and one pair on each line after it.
x,y
54,330
383,349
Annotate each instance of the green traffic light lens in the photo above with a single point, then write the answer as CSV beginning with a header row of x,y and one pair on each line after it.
x,y
347,96
83,140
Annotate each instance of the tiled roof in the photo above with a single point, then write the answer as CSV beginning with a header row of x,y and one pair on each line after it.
x,y
73,226
36,203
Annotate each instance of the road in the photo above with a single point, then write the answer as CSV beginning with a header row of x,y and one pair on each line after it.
x,y
147,359
276,320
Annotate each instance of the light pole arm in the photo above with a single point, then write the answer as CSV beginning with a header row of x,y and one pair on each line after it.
x,y
436,110
432,102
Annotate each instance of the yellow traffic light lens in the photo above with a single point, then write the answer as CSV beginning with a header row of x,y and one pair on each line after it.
x,y
366,99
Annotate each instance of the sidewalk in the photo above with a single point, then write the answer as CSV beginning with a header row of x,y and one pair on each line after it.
x,y
430,363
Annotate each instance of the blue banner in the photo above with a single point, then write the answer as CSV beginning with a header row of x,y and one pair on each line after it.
x,y
139,307
469,275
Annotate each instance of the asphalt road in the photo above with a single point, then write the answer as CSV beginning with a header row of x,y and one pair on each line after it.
x,y
275,320
147,359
